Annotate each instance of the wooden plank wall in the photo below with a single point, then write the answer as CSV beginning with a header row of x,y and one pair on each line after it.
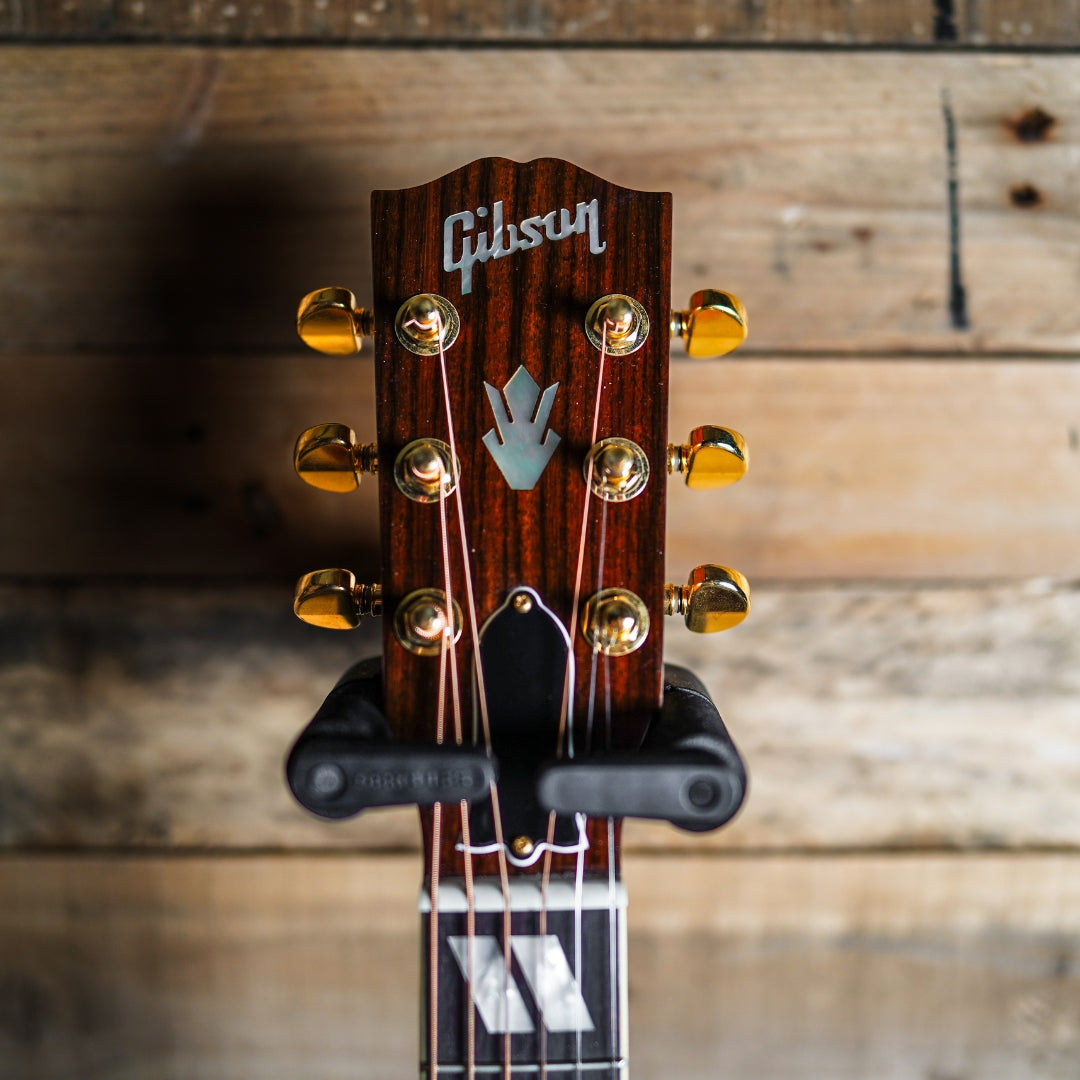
x,y
900,896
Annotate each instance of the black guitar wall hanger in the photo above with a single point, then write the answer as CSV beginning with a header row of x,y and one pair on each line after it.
x,y
687,770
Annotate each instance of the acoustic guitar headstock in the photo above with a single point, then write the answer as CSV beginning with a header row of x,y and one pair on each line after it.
x,y
521,326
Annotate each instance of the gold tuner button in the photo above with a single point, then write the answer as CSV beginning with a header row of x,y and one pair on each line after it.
x,y
714,457
329,458
715,598
329,321
333,600
715,324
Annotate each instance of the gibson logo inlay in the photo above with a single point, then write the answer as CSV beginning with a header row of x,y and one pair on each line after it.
x,y
504,240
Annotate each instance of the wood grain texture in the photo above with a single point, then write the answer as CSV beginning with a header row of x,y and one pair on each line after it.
x,y
823,22
524,312
870,717
190,200
120,969
923,469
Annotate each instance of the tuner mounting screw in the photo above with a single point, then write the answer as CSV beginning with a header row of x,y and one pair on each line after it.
x,y
625,320
421,623
423,319
715,324
328,457
333,600
714,457
329,321
522,846
714,598
620,469
616,622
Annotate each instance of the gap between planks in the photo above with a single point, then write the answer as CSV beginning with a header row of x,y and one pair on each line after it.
x,y
814,185
807,896
548,23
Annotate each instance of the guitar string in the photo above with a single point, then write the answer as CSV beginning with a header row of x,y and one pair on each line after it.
x,y
436,837
545,874
614,997
504,875
448,645
470,938
591,715
565,738
565,728
567,689
597,659
605,660
579,881
589,728
433,944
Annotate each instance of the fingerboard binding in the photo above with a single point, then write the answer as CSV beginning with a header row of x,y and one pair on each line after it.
x,y
584,1017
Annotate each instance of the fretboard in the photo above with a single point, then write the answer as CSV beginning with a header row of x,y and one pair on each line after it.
x,y
563,1001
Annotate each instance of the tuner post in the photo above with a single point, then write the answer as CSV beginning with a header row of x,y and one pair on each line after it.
x,y
425,623
329,458
617,469
616,622
714,324
714,598
329,321
334,600
423,470
714,457
426,323
617,323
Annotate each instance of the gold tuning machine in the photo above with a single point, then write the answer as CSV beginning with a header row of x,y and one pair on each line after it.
x,y
333,600
329,458
714,324
714,457
714,598
329,321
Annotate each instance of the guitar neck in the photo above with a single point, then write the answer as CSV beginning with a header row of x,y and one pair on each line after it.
x,y
553,1022
521,322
